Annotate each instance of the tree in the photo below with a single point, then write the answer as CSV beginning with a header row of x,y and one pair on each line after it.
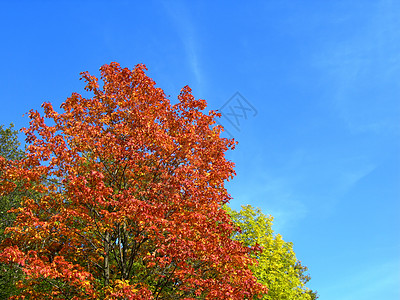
x,y
9,149
9,144
131,194
277,267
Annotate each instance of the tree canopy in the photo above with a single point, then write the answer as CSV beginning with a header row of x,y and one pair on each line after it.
x,y
128,198
9,149
277,267
123,197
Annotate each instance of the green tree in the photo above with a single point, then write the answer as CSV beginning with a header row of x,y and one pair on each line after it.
x,y
9,151
278,267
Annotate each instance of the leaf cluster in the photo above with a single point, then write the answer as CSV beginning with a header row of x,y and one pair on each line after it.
x,y
126,197
277,266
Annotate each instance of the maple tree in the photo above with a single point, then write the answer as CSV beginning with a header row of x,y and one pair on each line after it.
x,y
277,267
130,194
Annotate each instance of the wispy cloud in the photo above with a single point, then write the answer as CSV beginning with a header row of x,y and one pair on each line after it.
x,y
365,283
279,200
275,200
273,191
362,67
351,176
308,182
181,17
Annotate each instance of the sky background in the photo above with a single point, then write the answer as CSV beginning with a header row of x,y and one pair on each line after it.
x,y
319,142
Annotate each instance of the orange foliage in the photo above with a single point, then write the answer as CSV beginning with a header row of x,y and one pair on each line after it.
x,y
129,200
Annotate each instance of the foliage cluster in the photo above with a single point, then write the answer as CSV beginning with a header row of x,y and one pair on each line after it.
x,y
277,266
123,197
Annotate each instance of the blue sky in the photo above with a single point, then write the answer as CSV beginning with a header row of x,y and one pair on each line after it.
x,y
319,144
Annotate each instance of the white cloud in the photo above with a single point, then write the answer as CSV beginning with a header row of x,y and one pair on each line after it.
x,y
365,283
362,67
180,16
275,196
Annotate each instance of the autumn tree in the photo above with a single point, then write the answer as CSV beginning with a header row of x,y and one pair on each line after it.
x,y
131,194
277,267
